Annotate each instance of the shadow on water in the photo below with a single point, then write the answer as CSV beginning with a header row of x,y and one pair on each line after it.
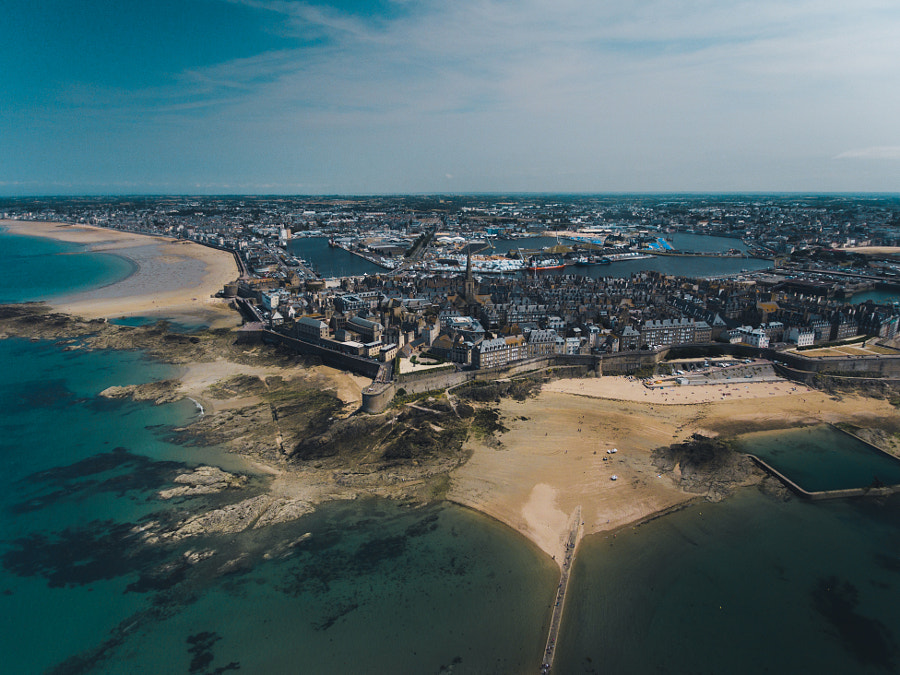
x,y
868,640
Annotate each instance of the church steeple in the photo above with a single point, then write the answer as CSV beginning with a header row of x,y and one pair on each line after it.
x,y
469,289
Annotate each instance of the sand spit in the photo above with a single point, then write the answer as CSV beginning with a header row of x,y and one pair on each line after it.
x,y
173,278
553,458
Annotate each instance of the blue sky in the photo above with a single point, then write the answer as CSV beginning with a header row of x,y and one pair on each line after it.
x,y
396,96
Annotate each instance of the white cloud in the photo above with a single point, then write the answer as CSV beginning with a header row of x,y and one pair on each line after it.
x,y
543,95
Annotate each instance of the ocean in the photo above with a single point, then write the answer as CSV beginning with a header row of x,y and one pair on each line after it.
x,y
749,585
36,269
364,586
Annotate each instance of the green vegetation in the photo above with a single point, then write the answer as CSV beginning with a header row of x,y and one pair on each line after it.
x,y
420,244
519,389
439,487
644,372
837,343
239,385
848,427
403,398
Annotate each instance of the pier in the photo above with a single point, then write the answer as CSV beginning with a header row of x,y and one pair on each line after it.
x,y
575,533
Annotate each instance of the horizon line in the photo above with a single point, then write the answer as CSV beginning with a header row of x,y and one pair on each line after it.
x,y
490,193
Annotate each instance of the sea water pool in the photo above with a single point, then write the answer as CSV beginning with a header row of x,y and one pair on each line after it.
x,y
821,458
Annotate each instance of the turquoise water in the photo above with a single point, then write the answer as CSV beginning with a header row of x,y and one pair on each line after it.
x,y
364,586
822,458
38,269
377,585
749,585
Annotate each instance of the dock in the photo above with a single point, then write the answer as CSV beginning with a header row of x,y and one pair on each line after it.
x,y
576,532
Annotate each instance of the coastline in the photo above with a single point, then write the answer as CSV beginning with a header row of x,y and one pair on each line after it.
x,y
553,459
171,278
533,476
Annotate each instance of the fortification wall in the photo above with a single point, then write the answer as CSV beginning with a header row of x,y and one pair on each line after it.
x,y
366,367
377,397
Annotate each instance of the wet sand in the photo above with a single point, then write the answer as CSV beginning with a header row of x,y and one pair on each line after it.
x,y
173,278
551,460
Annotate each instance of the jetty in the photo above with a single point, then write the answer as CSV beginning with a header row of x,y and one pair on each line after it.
x,y
576,532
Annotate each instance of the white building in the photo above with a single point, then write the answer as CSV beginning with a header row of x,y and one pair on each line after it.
x,y
802,337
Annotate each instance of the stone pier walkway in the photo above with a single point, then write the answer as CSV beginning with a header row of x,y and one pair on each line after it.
x,y
575,533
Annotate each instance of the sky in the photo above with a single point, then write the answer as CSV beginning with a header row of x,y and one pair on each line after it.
x,y
448,96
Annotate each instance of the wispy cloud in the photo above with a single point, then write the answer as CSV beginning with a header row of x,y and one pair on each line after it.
x,y
521,56
541,94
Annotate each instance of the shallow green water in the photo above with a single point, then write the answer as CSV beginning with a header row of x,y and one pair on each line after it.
x,y
376,585
822,458
38,269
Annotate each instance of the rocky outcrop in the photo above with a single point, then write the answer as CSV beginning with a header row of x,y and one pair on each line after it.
x,y
164,391
706,466
203,480
251,513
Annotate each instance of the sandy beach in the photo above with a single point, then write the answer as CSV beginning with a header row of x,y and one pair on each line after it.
x,y
554,456
173,278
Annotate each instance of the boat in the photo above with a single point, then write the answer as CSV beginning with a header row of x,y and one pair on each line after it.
x,y
585,261
535,265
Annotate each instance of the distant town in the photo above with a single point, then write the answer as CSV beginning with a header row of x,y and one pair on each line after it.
x,y
459,282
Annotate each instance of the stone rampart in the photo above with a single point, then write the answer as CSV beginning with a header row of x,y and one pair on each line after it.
x,y
378,396
366,367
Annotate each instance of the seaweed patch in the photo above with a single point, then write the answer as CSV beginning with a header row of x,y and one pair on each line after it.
x,y
79,556
118,471
868,640
201,651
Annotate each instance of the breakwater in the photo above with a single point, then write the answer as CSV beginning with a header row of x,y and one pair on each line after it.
x,y
576,532
819,495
